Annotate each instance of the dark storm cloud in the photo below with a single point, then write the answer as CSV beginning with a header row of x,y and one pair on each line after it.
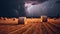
x,y
58,1
52,8
35,0
13,8
40,1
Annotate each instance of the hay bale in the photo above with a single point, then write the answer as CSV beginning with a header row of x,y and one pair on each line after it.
x,y
43,18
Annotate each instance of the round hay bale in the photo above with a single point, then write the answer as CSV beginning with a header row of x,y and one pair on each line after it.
x,y
43,18
21,20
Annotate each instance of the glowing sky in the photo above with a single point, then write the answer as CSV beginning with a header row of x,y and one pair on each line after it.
x,y
35,10
46,8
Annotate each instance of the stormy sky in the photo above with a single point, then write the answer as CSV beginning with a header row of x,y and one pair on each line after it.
x,y
16,8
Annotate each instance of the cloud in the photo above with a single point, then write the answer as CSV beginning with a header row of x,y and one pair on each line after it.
x,y
57,1
40,1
